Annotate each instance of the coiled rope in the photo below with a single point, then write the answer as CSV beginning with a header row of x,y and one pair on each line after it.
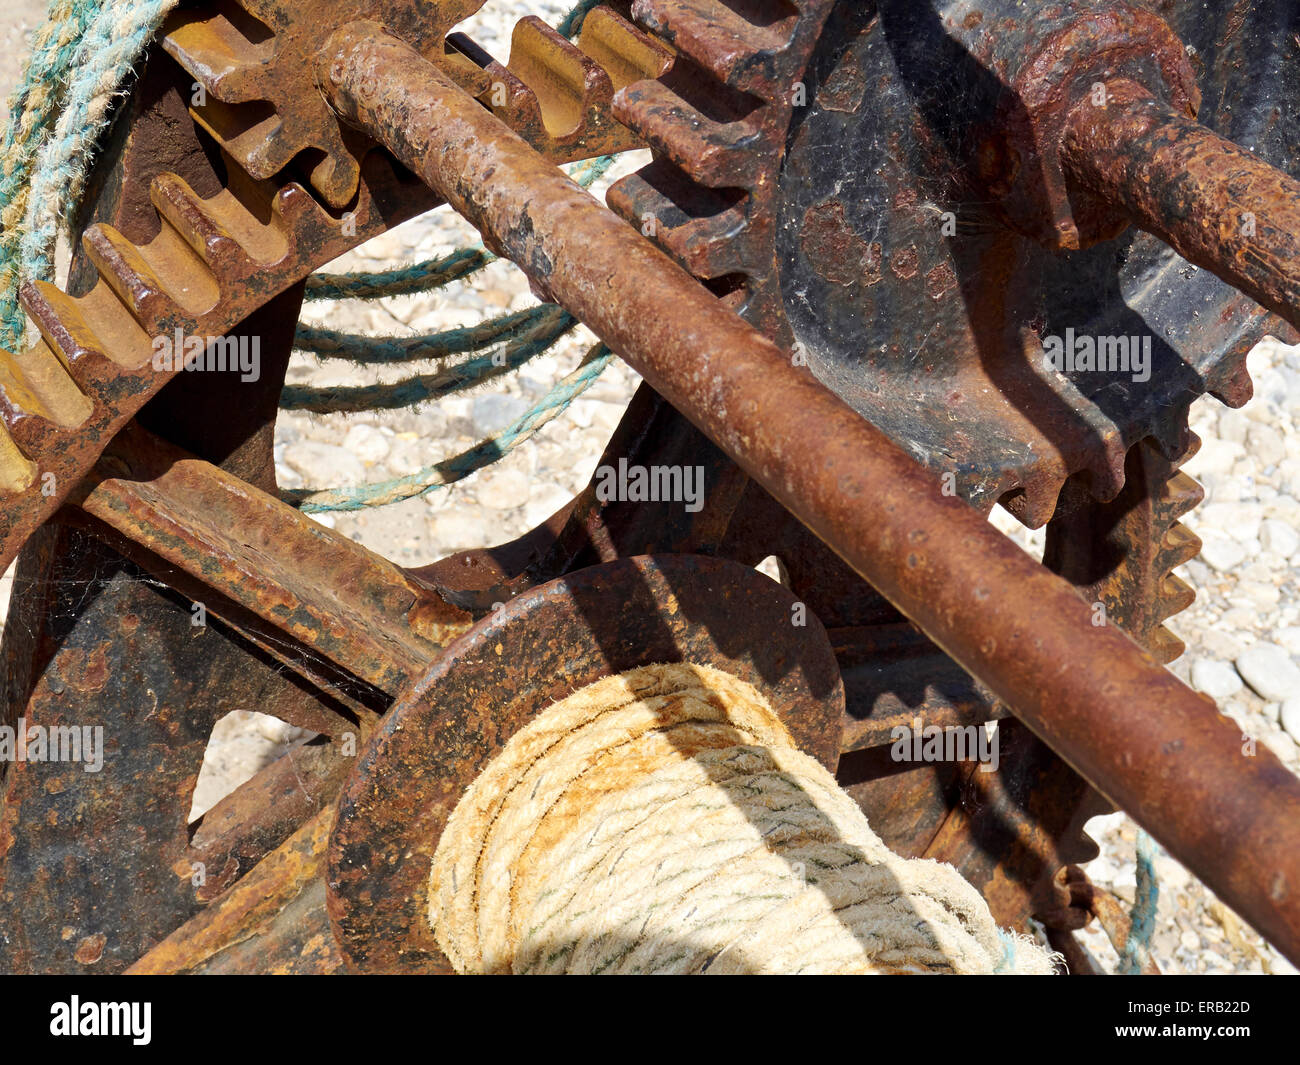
x,y
663,821
82,61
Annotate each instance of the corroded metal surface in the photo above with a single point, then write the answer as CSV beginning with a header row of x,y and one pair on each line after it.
x,y
215,259
1215,203
319,588
272,921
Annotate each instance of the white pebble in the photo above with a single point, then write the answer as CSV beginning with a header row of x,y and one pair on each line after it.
x,y
324,465
1239,520
503,489
1215,456
1268,669
1288,638
1280,744
1279,537
367,443
1222,554
1290,717
457,530
1218,680
544,502
1266,444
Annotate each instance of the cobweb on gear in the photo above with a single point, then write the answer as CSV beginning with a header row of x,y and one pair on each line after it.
x,y
243,742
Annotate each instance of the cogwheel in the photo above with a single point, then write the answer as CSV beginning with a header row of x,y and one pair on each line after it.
x,y
800,170
254,90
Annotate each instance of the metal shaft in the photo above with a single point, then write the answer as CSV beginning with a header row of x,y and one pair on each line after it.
x,y
1148,742
1218,205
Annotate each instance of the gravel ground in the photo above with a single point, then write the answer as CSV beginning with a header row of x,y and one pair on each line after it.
x,y
1243,632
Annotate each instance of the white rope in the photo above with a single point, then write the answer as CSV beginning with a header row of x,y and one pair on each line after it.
x,y
664,821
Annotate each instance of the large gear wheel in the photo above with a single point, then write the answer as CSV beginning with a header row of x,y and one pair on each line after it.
x,y
207,216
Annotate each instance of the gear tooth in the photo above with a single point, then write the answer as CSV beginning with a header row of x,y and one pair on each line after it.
x,y
566,82
243,132
1106,472
68,333
17,475
1036,502
293,207
274,149
38,401
1171,433
1231,383
185,212
1179,545
1178,496
734,49
1176,595
127,273
715,153
625,53
515,103
1193,445
220,59
1164,646
337,174
702,230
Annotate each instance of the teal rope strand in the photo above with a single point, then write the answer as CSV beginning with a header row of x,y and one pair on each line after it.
x,y
1137,948
405,281
355,347
422,388
32,107
573,21
104,59
441,474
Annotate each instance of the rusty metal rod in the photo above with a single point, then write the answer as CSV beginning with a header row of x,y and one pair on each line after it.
x,y
1153,746
1215,203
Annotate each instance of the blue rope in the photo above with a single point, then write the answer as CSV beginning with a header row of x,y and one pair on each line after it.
x,y
404,281
573,21
1137,948
82,57
387,349
553,322
448,471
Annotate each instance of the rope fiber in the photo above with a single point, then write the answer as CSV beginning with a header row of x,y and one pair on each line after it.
x,y
663,821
